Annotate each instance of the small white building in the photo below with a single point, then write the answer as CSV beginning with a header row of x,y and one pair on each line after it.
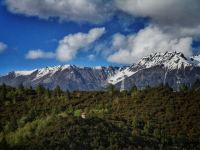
x,y
83,115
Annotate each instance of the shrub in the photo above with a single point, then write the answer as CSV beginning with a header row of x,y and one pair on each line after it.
x,y
77,113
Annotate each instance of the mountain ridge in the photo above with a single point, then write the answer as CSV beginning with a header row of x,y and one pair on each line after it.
x,y
154,69
168,60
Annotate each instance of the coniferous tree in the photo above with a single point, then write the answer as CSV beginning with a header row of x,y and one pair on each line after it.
x,y
183,88
134,88
168,87
3,143
67,95
40,90
30,90
196,85
3,93
58,91
111,89
21,88
48,93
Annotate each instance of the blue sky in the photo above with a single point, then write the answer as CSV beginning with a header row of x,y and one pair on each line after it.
x,y
125,35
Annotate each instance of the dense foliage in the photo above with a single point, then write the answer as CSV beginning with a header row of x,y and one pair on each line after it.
x,y
152,118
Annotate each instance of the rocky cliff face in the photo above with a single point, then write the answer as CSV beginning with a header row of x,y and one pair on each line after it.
x,y
160,68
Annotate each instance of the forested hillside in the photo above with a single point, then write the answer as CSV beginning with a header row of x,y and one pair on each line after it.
x,y
152,118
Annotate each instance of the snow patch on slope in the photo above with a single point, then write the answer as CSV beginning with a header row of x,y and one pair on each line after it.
x,y
120,75
50,71
24,73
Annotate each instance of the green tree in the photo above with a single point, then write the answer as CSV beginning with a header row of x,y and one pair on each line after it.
x,y
30,91
11,125
21,88
67,95
48,93
57,91
168,87
183,88
196,85
134,91
40,90
111,89
134,88
3,143
3,93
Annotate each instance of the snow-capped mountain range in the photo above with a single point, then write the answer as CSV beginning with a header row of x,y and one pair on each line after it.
x,y
68,77
168,61
170,67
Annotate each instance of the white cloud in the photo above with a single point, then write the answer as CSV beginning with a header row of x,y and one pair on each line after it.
x,y
70,10
173,25
39,54
3,46
149,40
177,18
167,12
69,46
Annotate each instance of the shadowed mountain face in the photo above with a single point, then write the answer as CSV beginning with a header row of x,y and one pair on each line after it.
x,y
157,75
169,68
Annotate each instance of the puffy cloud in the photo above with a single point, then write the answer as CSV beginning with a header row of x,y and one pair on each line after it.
x,y
130,48
70,10
177,18
167,12
69,46
174,25
3,46
39,54
177,13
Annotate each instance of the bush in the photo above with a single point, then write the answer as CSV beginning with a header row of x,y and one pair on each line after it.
x,y
77,113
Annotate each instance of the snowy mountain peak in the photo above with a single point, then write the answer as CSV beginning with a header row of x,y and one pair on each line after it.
x,y
169,60
69,77
48,72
